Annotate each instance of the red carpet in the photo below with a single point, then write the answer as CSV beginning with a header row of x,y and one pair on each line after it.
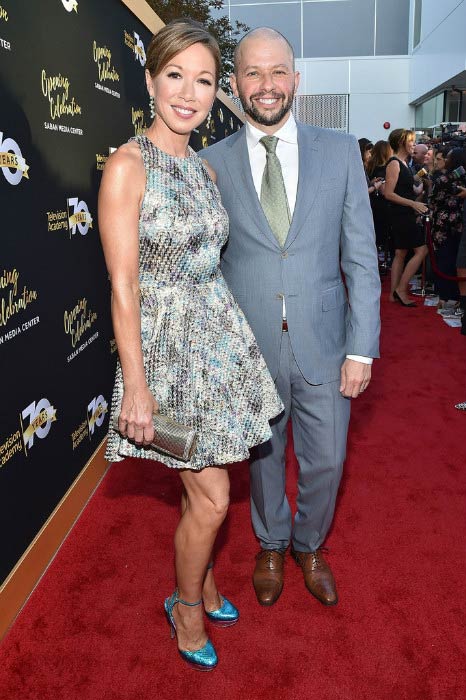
x,y
94,627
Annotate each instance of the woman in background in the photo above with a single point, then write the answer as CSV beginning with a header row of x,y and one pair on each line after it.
x,y
407,235
376,171
365,147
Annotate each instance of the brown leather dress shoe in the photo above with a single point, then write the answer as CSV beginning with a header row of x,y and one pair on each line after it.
x,y
268,575
318,576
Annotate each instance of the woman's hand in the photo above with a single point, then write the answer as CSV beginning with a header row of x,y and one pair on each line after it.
x,y
135,420
375,184
419,208
461,193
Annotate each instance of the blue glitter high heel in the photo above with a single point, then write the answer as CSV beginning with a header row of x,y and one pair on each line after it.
x,y
204,659
226,615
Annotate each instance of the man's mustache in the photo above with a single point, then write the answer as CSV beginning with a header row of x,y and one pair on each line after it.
x,y
269,95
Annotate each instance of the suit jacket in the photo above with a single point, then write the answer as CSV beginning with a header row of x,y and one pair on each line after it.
x,y
331,231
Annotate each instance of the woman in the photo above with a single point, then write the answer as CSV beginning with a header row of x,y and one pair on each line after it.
x,y
365,147
440,156
447,223
407,235
376,171
184,346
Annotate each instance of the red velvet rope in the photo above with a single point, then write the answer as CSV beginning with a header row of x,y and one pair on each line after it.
x,y
433,261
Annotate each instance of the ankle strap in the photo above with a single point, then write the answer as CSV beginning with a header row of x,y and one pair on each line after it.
x,y
185,602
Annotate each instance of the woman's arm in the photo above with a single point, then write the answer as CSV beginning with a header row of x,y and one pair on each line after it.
x,y
391,178
120,197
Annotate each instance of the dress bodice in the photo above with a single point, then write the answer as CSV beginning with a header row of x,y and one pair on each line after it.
x,y
182,223
405,182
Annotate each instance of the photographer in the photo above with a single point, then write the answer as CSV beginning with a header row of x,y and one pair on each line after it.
x,y
461,261
447,222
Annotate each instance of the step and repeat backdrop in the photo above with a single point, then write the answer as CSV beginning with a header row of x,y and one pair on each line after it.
x,y
72,89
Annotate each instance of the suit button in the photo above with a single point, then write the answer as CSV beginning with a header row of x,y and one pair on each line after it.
x,y
284,254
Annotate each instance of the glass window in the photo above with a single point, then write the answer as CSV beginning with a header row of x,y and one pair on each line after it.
x,y
417,22
284,17
392,27
430,112
338,28
456,106
255,2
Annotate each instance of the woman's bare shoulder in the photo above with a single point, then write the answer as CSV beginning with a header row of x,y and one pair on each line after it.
x,y
124,176
125,160
393,165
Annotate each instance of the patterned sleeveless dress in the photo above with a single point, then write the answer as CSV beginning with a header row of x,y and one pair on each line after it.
x,y
201,359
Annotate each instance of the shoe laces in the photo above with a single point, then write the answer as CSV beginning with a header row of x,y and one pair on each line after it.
x,y
268,556
316,558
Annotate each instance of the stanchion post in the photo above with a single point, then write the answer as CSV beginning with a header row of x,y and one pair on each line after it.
x,y
422,291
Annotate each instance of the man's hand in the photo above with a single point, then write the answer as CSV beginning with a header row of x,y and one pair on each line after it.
x,y
355,378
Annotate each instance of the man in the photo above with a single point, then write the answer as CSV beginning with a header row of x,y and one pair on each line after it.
x,y
419,157
298,205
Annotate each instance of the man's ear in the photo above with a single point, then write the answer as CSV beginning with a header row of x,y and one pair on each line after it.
x,y
233,84
297,78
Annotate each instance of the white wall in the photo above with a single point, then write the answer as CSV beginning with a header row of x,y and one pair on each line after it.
x,y
378,89
441,53
434,12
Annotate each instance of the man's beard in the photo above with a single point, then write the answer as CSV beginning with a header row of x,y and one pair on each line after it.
x,y
269,118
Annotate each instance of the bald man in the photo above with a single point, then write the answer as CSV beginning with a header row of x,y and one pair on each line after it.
x,y
419,157
299,215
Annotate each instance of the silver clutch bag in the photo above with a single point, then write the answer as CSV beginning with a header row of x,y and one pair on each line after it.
x,y
171,438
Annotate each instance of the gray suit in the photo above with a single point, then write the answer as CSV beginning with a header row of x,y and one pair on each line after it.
x,y
331,231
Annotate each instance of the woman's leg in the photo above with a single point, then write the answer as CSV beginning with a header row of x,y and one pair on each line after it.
x,y
210,595
411,268
397,270
206,505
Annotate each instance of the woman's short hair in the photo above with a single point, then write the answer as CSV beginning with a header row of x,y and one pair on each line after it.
x,y
442,151
175,37
399,137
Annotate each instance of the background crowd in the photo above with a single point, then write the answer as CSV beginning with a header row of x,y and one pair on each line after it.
x,y
418,198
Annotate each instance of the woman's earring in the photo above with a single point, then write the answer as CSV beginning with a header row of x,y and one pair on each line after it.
x,y
152,106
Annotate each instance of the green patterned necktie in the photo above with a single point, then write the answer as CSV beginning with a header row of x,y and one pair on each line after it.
x,y
273,193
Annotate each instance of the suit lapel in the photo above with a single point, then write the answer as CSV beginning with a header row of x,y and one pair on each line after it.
x,y
239,167
310,168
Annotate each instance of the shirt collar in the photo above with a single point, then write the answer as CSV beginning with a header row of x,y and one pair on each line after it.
x,y
288,132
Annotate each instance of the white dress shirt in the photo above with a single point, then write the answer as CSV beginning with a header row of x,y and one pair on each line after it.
x,y
288,155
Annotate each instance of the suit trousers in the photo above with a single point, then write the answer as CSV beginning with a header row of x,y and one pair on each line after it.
x,y
320,417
